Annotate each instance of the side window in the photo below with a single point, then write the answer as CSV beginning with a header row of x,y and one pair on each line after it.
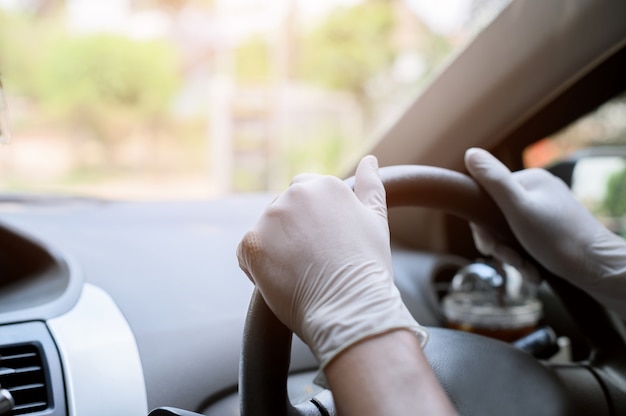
x,y
597,144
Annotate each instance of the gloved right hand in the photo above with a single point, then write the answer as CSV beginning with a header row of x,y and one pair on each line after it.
x,y
321,257
553,227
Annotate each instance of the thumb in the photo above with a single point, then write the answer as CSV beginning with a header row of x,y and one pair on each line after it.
x,y
494,177
369,188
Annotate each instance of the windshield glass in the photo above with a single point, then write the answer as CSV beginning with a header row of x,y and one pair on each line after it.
x,y
180,99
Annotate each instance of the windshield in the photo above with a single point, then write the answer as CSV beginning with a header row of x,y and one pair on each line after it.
x,y
187,99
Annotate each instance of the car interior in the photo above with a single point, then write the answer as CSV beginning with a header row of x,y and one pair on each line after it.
x,y
126,308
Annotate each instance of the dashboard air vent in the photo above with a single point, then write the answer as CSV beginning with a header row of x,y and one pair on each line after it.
x,y
22,373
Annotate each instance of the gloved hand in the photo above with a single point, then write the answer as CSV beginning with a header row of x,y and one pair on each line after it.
x,y
553,227
320,257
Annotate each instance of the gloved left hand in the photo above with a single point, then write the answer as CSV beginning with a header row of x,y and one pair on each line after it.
x,y
321,258
553,227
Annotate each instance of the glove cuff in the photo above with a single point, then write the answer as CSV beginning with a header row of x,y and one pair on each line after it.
x,y
359,324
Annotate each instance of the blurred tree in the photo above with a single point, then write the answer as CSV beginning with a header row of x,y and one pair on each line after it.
x,y
363,49
615,200
606,125
107,84
103,85
22,45
350,47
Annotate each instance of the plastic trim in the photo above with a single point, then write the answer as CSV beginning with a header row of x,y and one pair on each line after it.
x,y
100,358
36,333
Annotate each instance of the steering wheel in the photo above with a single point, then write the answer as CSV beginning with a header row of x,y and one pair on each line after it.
x,y
481,376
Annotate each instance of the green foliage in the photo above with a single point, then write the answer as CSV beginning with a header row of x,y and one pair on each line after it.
x,y
101,73
106,85
615,200
22,46
350,47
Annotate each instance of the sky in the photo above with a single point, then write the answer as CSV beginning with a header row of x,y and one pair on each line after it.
x,y
443,16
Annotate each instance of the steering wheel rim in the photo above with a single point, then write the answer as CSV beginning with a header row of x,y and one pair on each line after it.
x,y
266,346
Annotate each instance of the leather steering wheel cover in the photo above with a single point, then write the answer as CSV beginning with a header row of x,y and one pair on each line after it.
x,y
452,192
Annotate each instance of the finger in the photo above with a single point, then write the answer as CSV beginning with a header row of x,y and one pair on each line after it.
x,y
368,187
494,177
536,177
529,271
507,255
484,240
304,177
488,245
300,178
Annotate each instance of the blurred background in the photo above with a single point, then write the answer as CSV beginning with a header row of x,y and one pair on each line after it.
x,y
186,99
160,99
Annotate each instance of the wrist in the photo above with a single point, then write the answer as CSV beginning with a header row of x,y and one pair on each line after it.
x,y
340,329
605,258
393,363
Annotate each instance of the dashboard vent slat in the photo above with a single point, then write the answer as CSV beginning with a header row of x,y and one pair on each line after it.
x,y
22,374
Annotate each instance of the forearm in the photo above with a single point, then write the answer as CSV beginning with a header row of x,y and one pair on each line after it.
x,y
386,375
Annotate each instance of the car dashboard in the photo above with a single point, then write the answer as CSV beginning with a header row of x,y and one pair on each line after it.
x,y
122,307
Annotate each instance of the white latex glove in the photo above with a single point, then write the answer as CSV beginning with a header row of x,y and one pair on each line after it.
x,y
321,258
553,227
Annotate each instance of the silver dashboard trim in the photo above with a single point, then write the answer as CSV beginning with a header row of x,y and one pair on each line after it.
x,y
100,358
